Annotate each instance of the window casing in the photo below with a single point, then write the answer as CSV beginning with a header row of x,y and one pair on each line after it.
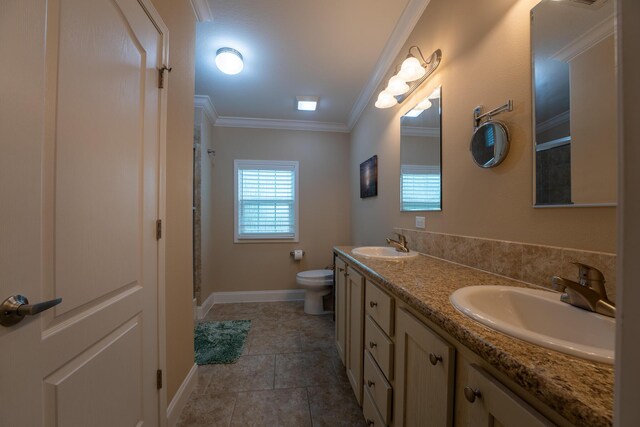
x,y
265,200
420,188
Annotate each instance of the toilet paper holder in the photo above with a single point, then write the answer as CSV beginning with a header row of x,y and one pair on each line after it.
x,y
292,253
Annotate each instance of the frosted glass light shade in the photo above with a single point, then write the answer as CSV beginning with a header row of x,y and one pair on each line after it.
x,y
385,100
397,86
411,69
424,105
229,60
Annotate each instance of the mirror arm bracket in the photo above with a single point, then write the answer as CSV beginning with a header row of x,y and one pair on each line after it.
x,y
477,117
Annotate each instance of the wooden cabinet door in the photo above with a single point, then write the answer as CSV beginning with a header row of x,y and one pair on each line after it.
x,y
341,308
355,331
482,401
425,366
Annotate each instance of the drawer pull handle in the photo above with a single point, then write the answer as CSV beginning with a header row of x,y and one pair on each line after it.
x,y
370,383
370,422
471,394
372,304
434,359
372,344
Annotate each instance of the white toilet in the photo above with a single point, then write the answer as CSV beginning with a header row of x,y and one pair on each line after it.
x,y
317,284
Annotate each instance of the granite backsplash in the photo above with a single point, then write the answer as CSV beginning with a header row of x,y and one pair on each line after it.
x,y
529,263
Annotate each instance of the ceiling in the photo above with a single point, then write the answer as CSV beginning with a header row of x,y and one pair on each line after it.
x,y
335,49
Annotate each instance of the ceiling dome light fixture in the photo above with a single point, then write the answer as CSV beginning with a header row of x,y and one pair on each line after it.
x,y
229,60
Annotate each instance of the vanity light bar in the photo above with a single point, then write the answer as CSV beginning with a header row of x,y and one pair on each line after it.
x,y
411,75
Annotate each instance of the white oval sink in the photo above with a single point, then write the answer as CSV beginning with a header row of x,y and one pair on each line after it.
x,y
383,252
539,317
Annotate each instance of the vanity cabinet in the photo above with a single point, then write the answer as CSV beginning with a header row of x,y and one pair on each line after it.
x,y
355,331
378,354
482,401
340,305
407,372
425,365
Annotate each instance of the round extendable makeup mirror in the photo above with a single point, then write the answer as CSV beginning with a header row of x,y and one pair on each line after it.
x,y
490,144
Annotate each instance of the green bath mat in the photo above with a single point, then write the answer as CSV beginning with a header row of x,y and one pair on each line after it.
x,y
220,342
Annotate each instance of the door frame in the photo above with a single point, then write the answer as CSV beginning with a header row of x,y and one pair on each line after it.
x,y
163,30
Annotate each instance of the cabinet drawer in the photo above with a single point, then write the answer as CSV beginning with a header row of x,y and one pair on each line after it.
x,y
378,386
379,306
494,404
371,414
380,346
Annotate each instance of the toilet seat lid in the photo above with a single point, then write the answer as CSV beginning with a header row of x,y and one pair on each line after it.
x,y
316,274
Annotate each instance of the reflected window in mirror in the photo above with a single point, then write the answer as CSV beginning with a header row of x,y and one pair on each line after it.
x,y
575,103
420,155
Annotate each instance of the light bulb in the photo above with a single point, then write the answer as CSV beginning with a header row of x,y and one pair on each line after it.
x,y
229,60
411,69
397,86
385,100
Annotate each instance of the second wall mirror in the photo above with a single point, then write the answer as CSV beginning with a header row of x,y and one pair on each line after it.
x,y
575,103
421,155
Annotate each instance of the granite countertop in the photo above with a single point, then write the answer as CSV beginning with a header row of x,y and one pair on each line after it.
x,y
579,390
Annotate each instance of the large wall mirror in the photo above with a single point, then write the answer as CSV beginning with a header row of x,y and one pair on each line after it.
x,y
575,103
420,155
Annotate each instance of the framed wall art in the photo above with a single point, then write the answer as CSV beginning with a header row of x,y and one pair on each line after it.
x,y
369,178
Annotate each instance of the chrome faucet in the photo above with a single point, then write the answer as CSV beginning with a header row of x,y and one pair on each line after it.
x,y
400,244
588,293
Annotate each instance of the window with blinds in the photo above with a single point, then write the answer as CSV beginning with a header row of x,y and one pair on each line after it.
x,y
266,200
420,188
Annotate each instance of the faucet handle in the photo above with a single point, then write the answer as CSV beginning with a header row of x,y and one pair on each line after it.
x,y
588,274
402,238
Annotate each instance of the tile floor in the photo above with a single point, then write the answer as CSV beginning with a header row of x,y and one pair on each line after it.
x,y
289,374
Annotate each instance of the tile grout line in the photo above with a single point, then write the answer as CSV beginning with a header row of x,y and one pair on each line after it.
x,y
309,406
275,369
233,411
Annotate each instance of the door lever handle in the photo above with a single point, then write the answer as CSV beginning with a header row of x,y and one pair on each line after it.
x,y
16,307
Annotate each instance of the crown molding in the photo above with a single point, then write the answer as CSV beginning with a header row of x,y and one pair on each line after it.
x,y
586,41
554,121
419,131
255,123
408,20
204,103
202,10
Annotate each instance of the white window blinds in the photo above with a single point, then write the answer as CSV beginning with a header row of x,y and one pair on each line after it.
x,y
266,199
419,188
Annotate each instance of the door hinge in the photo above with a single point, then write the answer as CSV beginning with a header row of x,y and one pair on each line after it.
x,y
159,379
158,229
161,75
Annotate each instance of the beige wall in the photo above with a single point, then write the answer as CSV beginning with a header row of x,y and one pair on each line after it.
x,y
594,136
324,207
207,204
180,18
486,60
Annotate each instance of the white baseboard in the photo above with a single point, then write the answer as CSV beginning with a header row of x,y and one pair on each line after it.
x,y
203,309
258,296
179,401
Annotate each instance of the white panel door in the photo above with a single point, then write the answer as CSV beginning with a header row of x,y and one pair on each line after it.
x,y
80,126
